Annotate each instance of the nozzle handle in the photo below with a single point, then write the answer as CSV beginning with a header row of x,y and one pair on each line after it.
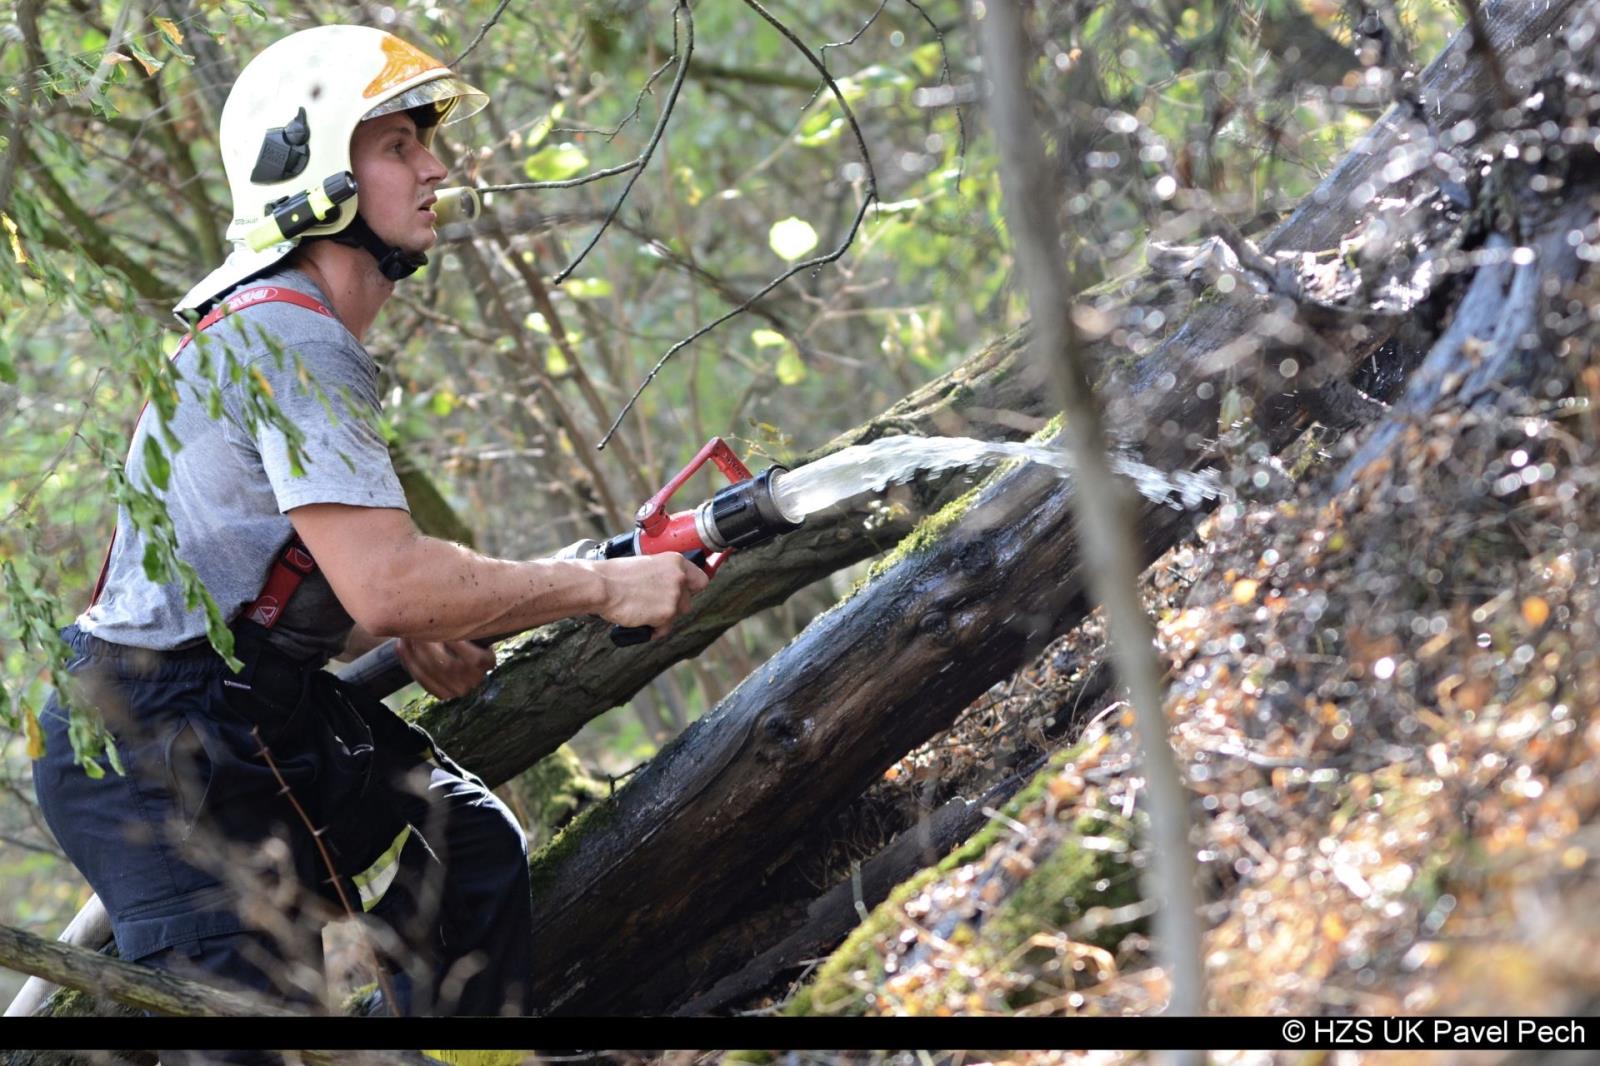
x,y
628,636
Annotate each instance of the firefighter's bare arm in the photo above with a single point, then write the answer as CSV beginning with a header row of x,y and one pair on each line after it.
x,y
396,582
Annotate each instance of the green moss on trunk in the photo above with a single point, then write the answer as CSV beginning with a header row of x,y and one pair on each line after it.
x,y
1064,887
545,865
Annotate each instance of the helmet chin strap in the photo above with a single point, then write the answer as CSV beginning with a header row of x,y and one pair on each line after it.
x,y
394,263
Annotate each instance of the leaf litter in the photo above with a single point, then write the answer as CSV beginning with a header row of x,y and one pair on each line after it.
x,y
1384,705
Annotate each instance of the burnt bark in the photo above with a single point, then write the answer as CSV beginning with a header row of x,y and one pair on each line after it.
x,y
831,916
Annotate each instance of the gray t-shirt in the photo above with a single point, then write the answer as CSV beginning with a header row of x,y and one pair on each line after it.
x,y
232,481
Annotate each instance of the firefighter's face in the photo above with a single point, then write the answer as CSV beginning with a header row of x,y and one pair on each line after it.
x,y
396,177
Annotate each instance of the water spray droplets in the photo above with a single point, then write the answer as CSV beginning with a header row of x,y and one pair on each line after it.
x,y
893,460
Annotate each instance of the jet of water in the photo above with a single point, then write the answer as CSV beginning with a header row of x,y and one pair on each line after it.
x,y
892,460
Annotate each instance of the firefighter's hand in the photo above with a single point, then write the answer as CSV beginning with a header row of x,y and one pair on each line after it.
x,y
447,669
649,590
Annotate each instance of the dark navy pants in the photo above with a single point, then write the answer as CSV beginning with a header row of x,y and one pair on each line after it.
x,y
206,866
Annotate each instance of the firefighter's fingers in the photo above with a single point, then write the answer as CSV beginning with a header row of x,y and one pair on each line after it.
x,y
474,656
446,669
695,577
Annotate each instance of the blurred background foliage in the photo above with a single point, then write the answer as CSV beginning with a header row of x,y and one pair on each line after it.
x,y
498,383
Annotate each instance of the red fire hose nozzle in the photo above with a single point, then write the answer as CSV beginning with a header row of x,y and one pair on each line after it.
x,y
742,515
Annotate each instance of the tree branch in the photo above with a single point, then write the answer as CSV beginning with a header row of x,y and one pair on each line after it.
x,y
97,243
125,982
649,148
482,31
33,59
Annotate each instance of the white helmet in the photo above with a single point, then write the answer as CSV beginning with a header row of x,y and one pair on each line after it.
x,y
287,125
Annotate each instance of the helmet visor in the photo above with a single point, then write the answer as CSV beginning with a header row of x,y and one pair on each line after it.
x,y
448,98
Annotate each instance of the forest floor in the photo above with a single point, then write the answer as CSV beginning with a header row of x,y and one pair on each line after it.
x,y
1385,701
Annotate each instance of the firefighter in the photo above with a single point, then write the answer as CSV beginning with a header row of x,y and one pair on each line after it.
x,y
304,541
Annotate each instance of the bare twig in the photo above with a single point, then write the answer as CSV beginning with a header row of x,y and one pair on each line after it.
x,y
568,183
28,845
638,101
944,79
649,149
327,861
867,201
25,501
833,86
822,52
455,64
820,260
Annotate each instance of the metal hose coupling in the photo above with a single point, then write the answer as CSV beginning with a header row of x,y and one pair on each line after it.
x,y
745,514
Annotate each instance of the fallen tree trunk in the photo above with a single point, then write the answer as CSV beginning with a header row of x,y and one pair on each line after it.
x,y
833,914
1486,351
688,841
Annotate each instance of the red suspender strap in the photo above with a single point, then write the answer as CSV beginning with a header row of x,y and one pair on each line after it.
x,y
294,563
292,566
264,294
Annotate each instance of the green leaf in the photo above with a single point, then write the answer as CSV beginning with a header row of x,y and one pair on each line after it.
x,y
443,402
825,132
157,469
766,338
149,62
169,30
928,59
155,567
791,368
792,238
555,361
114,757
219,634
541,129
896,207
587,288
555,163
